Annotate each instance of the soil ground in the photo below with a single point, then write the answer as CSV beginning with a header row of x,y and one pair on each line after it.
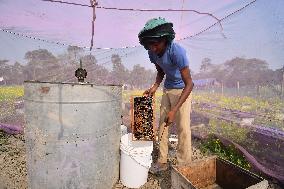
x,y
13,174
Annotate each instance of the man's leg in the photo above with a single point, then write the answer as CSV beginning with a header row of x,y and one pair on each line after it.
x,y
182,120
161,164
163,131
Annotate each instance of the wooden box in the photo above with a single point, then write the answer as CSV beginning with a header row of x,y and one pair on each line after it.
x,y
214,173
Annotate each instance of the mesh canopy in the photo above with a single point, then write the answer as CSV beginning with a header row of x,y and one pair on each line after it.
x,y
235,50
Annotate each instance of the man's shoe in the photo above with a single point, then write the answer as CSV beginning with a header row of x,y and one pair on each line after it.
x,y
158,167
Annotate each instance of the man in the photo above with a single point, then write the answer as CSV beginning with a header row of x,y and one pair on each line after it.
x,y
170,59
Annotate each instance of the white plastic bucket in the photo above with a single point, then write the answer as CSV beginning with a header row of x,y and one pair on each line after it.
x,y
123,130
135,161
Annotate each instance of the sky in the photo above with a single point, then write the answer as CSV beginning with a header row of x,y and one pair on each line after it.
x,y
255,32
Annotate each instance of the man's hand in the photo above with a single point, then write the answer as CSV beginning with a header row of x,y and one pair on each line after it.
x,y
170,118
151,91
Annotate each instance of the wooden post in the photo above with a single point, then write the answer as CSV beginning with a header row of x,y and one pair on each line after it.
x,y
222,86
238,87
34,74
282,84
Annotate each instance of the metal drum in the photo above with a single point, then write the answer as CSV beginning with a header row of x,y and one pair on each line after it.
x,y
72,135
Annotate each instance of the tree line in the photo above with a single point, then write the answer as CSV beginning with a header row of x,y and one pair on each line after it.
x,y
42,65
248,72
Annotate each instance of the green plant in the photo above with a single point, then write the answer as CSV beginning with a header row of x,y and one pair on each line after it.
x,y
230,153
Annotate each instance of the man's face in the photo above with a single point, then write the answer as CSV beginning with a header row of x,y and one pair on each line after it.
x,y
158,47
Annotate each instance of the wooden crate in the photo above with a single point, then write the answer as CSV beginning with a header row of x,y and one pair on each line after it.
x,y
214,173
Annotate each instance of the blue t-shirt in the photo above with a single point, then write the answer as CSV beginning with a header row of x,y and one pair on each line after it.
x,y
173,60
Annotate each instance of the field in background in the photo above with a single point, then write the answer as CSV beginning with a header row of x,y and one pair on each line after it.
x,y
254,123
265,112
11,93
257,111
8,101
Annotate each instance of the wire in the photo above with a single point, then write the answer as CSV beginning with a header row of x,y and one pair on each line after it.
x,y
69,3
34,38
126,47
229,15
173,10
128,9
64,44
140,10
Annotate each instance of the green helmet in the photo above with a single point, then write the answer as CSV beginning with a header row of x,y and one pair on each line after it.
x,y
154,30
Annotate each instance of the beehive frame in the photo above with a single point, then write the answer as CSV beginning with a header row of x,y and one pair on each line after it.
x,y
146,131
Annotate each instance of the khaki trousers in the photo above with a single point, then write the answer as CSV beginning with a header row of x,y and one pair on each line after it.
x,y
182,119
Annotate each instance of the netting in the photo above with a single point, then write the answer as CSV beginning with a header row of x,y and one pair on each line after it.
x,y
234,48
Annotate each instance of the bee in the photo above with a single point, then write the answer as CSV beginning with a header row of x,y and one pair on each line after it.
x,y
143,118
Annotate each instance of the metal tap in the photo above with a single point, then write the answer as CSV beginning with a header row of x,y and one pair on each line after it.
x,y
81,73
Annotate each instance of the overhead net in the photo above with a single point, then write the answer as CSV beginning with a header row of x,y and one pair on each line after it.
x,y
235,50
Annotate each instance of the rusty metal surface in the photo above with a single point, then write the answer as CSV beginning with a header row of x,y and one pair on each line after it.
x,y
198,174
201,173
234,177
